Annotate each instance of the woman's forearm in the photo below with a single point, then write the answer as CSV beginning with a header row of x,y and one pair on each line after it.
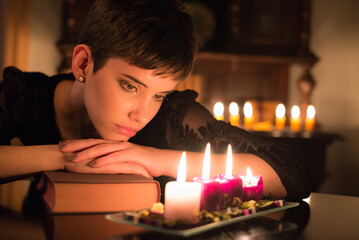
x,y
22,160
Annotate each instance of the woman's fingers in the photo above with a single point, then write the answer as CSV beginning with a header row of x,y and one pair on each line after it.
x,y
139,155
79,145
128,168
125,168
112,158
99,153
99,150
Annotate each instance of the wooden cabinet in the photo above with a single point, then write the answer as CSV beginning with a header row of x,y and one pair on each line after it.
x,y
247,46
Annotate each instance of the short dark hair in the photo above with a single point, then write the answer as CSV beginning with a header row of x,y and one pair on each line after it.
x,y
150,34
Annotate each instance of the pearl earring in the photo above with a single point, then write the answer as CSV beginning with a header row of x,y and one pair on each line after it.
x,y
81,79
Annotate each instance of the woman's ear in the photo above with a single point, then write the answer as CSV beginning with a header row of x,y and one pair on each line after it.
x,y
81,60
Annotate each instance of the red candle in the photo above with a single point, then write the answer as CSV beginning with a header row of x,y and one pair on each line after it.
x,y
211,189
252,186
231,185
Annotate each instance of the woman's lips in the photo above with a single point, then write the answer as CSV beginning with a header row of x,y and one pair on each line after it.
x,y
128,132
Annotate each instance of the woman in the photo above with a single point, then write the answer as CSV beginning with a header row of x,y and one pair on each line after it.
x,y
122,115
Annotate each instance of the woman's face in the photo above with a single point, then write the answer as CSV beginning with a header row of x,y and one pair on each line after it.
x,y
121,98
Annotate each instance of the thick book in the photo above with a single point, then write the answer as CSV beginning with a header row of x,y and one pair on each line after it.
x,y
65,192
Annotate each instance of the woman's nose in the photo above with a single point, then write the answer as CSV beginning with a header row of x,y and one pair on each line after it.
x,y
141,112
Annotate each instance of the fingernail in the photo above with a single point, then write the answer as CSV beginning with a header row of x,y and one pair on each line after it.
x,y
92,164
72,157
62,146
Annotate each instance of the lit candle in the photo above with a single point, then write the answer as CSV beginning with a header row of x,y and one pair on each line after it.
x,y
211,189
234,114
252,186
230,185
248,115
310,118
280,117
218,111
295,118
182,199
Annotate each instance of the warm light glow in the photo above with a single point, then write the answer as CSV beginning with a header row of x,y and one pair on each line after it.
x,y
218,109
181,174
295,112
206,163
306,199
310,112
280,111
233,108
249,175
229,162
248,110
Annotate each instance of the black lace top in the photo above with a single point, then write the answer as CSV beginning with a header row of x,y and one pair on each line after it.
x,y
27,112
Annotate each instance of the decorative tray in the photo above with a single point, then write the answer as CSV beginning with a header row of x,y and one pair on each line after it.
x,y
123,217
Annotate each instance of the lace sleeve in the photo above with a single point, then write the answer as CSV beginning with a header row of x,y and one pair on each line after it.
x,y
197,126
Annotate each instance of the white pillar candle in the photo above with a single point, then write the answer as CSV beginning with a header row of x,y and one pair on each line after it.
x,y
182,199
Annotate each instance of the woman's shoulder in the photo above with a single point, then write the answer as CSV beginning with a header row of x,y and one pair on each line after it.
x,y
16,78
182,96
26,105
180,100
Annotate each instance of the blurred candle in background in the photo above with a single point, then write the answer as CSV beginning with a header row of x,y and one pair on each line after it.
x,y
234,114
248,115
295,118
280,117
182,199
310,118
218,111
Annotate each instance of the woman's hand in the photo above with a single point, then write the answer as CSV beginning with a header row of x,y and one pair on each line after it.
x,y
104,156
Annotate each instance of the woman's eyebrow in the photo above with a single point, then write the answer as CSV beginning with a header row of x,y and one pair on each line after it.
x,y
135,80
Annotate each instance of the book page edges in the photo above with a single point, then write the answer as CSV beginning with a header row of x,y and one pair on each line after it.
x,y
69,177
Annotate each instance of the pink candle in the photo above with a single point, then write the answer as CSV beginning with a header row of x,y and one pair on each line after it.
x,y
211,194
211,189
252,186
230,185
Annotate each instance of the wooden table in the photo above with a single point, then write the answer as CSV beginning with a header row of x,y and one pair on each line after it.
x,y
322,216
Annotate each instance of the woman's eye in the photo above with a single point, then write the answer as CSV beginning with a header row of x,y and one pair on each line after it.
x,y
127,86
159,97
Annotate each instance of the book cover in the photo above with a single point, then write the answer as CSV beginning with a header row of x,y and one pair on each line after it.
x,y
65,192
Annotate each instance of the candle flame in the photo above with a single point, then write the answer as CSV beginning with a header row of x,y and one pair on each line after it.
x,y
233,108
181,174
248,110
295,111
249,176
310,112
206,163
280,111
218,109
229,163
